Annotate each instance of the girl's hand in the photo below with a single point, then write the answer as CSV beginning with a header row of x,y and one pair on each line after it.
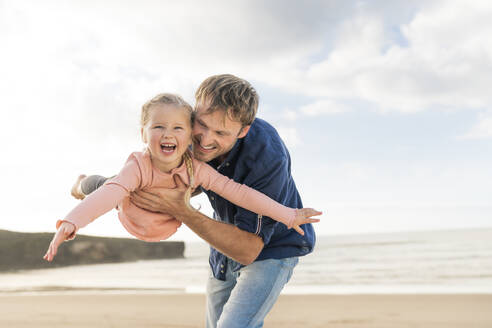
x,y
65,230
303,216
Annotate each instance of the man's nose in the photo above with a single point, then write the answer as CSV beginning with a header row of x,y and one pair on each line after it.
x,y
205,138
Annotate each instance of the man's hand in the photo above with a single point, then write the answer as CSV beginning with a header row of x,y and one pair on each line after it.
x,y
170,201
65,230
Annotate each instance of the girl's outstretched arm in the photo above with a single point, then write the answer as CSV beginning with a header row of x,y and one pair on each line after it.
x,y
96,204
255,201
65,230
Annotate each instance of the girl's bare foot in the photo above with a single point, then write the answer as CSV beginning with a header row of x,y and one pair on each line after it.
x,y
76,191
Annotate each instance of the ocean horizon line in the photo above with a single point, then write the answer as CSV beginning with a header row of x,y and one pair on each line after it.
x,y
288,290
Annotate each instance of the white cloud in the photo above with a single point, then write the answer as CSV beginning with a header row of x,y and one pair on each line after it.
x,y
290,114
290,136
324,106
74,75
483,129
443,59
335,50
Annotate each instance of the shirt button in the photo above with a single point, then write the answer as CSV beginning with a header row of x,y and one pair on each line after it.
x,y
227,164
221,271
212,198
222,266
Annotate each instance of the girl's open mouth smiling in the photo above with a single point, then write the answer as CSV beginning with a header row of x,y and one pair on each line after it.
x,y
168,148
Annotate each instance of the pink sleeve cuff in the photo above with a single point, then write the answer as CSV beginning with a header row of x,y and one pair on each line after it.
x,y
72,236
291,219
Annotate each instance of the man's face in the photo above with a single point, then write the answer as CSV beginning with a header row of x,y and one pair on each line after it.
x,y
214,134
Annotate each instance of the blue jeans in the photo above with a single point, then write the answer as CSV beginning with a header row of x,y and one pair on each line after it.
x,y
246,296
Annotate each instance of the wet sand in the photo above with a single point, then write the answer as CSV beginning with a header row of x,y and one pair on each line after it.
x,y
187,310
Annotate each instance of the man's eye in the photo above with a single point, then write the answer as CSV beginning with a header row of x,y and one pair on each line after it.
x,y
158,127
178,128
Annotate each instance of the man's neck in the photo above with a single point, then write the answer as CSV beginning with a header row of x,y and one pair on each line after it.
x,y
221,159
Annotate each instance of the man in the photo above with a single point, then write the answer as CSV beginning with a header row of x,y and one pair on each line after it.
x,y
252,257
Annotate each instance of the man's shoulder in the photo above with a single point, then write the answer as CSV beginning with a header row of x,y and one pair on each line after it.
x,y
263,142
261,127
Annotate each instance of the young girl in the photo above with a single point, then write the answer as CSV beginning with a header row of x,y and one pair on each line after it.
x,y
166,131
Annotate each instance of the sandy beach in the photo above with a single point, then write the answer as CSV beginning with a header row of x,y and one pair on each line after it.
x,y
187,310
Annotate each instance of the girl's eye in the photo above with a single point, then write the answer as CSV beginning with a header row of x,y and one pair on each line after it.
x,y
158,127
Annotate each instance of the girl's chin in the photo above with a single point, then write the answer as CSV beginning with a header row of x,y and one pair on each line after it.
x,y
168,153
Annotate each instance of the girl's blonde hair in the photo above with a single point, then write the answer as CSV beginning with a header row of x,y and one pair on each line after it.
x,y
189,169
163,99
173,100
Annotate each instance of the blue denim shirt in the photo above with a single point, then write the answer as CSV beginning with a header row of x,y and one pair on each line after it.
x,y
261,161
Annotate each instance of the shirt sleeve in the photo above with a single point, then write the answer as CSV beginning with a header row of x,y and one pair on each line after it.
x,y
106,197
244,196
270,177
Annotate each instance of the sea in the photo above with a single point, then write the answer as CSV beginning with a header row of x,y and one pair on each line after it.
x,y
425,262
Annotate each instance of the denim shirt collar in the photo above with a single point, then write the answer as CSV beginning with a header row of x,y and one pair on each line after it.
x,y
230,156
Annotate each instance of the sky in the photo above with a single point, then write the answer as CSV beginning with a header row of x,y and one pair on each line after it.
x,y
385,106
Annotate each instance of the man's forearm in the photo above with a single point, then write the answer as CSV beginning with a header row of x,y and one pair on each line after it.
x,y
228,239
240,245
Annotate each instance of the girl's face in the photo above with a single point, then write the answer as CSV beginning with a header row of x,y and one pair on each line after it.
x,y
167,135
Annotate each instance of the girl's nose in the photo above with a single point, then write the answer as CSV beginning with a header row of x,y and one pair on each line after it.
x,y
167,134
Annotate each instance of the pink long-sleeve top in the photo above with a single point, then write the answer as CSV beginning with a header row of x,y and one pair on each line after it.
x,y
139,174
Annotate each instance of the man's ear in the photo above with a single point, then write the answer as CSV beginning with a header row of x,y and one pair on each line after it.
x,y
142,133
243,132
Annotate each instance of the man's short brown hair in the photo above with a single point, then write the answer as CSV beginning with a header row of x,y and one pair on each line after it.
x,y
231,94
